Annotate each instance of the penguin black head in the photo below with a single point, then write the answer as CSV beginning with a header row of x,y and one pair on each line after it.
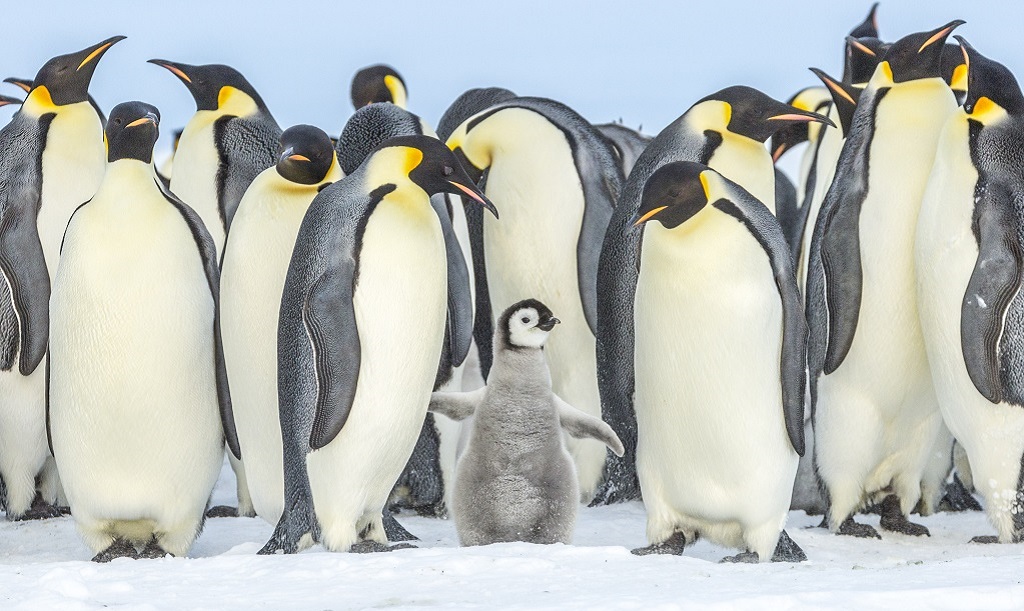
x,y
526,324
370,126
132,131
755,115
788,137
378,83
673,194
990,86
436,170
954,70
917,56
862,57
65,79
305,154
468,104
211,85
844,98
868,27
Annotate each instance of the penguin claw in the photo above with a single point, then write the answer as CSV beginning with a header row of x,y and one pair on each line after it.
x,y
41,510
222,511
893,519
153,551
786,550
674,545
372,547
119,548
853,529
745,558
958,498
985,539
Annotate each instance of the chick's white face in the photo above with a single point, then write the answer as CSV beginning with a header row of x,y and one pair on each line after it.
x,y
523,330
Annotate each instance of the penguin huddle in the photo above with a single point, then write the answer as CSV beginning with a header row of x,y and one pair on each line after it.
x,y
366,325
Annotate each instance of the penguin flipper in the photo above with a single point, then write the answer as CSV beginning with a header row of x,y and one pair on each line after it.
x,y
459,331
456,405
787,209
602,181
330,322
208,254
993,286
580,424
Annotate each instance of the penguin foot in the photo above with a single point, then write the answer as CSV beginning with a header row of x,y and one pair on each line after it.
x,y
41,510
620,484
222,511
853,529
287,537
395,531
372,547
120,548
893,519
745,558
674,545
153,550
958,498
786,550
985,539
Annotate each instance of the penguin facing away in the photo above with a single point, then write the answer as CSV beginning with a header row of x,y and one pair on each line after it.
x,y
716,294
137,385
629,143
726,131
368,291
876,418
515,478
968,260
556,179
256,258
378,83
230,139
53,161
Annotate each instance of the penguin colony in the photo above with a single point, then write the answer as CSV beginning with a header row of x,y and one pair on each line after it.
x,y
367,324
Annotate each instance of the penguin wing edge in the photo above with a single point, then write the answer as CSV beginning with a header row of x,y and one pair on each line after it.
x,y
459,332
994,285
580,425
456,405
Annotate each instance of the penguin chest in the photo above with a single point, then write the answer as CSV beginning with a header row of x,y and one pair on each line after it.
x,y
708,322
196,163
73,163
400,305
747,163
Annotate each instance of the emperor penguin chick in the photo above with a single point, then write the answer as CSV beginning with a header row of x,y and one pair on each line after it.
x,y
137,385
516,481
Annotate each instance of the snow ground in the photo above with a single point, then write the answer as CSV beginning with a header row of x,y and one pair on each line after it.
x,y
44,565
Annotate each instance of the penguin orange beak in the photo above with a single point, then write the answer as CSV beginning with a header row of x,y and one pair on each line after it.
x,y
941,33
6,100
21,83
800,117
174,69
98,50
150,119
640,220
472,194
853,42
297,157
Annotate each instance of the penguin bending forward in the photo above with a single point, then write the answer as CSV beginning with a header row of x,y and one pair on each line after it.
x,y
137,385
374,278
515,479
716,294
52,160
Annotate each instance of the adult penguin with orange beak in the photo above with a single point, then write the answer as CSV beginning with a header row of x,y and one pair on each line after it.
x,y
52,159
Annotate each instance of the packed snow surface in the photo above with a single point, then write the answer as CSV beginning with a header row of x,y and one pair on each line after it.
x,y
44,565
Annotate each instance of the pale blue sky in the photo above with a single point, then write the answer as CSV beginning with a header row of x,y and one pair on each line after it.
x,y
643,61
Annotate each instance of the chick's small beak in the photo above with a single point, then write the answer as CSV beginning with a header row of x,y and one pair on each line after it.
x,y
548,324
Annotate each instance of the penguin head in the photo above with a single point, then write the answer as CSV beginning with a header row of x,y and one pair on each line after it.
x,y
132,131
954,70
992,90
844,98
304,155
468,104
65,79
748,112
369,127
432,167
216,87
868,27
862,57
526,324
915,56
378,83
809,98
674,194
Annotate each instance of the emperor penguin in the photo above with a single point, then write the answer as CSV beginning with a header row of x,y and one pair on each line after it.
x,y
968,257
53,160
374,279
716,295
137,384
26,86
629,143
516,480
556,180
725,131
256,258
230,140
378,83
876,418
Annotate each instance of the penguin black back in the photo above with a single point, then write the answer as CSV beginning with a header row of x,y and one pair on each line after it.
x,y
368,128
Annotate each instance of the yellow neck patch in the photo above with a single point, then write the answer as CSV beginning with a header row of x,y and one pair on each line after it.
x,y
704,183
885,70
231,101
397,90
413,158
986,111
39,102
959,80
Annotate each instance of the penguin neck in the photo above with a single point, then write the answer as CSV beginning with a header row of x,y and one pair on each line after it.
x,y
231,103
391,166
521,373
709,115
279,183
39,103
139,174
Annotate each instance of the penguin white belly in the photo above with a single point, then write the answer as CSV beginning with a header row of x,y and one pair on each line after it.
x,y
400,305
713,455
195,173
133,411
73,163
255,266
531,253
747,163
877,416
946,252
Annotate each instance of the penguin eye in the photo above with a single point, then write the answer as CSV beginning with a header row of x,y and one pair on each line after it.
x,y
117,121
447,171
525,319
